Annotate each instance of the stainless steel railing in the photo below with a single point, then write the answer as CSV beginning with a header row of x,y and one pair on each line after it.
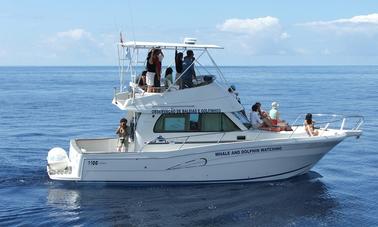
x,y
324,122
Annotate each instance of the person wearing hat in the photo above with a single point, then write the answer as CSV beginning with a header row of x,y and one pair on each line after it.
x,y
274,114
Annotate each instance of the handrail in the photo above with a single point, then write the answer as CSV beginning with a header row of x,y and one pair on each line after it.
x,y
342,119
186,138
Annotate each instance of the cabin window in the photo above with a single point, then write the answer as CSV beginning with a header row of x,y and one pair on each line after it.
x,y
243,118
194,122
170,123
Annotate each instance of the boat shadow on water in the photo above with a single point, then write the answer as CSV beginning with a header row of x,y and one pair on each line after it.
x,y
300,200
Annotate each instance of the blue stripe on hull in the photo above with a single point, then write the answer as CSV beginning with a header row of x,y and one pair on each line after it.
x,y
200,182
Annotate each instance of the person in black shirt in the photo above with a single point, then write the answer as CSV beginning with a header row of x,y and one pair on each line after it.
x,y
151,70
178,63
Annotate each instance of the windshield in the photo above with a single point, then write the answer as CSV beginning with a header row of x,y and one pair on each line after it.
x,y
243,118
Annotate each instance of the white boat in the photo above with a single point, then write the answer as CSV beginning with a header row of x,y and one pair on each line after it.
x,y
194,135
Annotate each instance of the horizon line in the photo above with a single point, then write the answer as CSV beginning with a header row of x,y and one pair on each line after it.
x,y
304,65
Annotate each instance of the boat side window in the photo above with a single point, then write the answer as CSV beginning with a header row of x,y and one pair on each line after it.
x,y
211,122
171,123
194,122
241,116
228,125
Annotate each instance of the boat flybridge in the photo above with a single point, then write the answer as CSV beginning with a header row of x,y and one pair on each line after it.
x,y
195,135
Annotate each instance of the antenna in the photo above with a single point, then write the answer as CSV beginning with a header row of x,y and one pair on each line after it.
x,y
131,19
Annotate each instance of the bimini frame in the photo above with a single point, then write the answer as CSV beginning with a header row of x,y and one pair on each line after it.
x,y
129,59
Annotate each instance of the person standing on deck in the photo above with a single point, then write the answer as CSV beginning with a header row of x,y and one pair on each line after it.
x,y
188,70
151,70
158,62
122,135
178,64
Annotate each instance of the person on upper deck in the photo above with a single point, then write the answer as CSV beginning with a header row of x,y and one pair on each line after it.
x,y
168,77
142,83
178,64
159,62
188,72
151,71
154,62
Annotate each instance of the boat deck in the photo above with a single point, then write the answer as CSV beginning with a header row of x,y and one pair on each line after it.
x,y
109,145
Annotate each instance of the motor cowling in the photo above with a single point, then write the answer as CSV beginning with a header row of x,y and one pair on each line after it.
x,y
57,159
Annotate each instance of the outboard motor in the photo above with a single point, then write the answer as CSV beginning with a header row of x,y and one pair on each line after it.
x,y
57,159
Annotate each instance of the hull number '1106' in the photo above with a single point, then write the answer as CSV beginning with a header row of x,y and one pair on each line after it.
x,y
92,163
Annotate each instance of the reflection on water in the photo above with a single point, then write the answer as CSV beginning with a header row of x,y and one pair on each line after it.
x,y
63,198
302,200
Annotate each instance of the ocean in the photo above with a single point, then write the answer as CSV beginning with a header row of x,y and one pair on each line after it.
x,y
44,107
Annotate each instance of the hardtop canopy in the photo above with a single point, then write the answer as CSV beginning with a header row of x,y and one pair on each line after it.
x,y
163,45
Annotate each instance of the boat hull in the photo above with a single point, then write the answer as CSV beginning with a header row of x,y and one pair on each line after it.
x,y
221,163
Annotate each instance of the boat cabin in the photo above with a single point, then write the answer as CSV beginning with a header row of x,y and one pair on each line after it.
x,y
207,112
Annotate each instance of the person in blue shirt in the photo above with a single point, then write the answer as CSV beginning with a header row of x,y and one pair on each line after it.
x,y
188,70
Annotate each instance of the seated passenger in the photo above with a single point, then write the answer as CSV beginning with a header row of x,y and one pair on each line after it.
x,y
264,116
168,77
142,81
309,125
274,115
256,122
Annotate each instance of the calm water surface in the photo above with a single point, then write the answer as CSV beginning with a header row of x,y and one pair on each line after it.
x,y
43,107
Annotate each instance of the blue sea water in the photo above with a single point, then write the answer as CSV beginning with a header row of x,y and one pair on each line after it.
x,y
44,107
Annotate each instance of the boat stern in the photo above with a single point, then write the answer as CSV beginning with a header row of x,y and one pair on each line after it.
x,y
60,166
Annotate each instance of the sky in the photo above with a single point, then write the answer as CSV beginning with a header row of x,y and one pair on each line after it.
x,y
291,32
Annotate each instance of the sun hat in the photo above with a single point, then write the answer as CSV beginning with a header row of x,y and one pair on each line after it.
x,y
275,105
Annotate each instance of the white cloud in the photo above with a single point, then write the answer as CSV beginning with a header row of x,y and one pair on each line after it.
x,y
354,36
284,35
250,26
75,34
79,45
363,19
369,19
254,36
357,24
72,35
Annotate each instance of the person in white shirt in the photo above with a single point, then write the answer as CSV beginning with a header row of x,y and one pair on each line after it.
x,y
255,118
